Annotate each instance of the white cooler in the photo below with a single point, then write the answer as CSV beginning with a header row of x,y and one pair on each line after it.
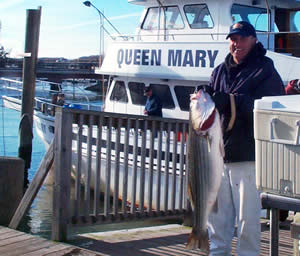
x,y
277,145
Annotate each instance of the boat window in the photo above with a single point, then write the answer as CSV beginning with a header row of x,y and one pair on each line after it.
x,y
287,20
137,93
198,16
51,129
183,96
258,17
295,24
163,92
43,128
172,18
119,92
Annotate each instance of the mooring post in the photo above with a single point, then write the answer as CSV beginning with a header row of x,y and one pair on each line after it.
x,y
28,93
274,232
11,183
295,233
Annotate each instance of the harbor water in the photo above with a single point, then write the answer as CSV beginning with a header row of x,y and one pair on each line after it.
x,y
38,219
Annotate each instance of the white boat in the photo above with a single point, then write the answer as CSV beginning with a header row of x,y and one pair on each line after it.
x,y
178,44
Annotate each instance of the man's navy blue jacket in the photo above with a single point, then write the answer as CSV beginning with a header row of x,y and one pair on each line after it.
x,y
252,79
153,106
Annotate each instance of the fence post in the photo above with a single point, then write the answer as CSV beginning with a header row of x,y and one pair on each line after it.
x,y
62,173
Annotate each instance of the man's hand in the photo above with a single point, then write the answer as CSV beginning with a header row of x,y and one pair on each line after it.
x,y
145,112
222,100
206,88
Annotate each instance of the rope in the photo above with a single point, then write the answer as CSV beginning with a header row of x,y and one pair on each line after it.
x,y
233,112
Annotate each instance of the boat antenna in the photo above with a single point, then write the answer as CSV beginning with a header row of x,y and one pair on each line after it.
x,y
88,4
162,7
160,4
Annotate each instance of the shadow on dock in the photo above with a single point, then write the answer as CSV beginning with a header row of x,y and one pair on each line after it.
x,y
165,240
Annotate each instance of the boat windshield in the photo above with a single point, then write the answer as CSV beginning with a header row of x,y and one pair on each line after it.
x,y
198,16
156,17
258,17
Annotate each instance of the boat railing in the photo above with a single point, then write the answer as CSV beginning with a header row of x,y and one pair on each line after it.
x,y
125,167
138,36
283,42
11,84
197,36
44,90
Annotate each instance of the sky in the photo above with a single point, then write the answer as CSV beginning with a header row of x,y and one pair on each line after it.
x,y
68,28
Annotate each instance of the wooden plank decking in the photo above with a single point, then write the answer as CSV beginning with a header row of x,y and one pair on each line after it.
x,y
167,240
14,243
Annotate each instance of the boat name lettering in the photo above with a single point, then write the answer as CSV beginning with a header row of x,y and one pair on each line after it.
x,y
143,57
179,58
176,58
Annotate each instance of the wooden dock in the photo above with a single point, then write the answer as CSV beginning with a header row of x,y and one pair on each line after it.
x,y
14,243
166,240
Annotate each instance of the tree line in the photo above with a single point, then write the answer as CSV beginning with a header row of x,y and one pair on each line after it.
x,y
3,56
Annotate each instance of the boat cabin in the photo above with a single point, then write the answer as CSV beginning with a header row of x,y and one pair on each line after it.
x,y
277,22
178,44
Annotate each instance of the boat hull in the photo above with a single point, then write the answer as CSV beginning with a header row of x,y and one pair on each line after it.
x,y
128,173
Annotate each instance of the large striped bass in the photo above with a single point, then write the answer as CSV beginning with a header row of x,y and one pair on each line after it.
x,y
205,165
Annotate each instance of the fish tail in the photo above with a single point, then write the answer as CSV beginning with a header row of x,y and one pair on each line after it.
x,y
198,240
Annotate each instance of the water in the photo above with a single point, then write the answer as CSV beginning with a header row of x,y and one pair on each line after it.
x,y
9,142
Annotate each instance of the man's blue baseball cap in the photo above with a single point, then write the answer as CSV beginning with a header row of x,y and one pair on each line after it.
x,y
242,28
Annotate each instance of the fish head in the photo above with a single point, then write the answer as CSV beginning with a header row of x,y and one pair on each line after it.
x,y
202,108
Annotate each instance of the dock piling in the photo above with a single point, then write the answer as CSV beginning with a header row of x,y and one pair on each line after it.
x,y
28,92
11,186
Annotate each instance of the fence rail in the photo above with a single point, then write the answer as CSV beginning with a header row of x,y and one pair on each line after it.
x,y
111,168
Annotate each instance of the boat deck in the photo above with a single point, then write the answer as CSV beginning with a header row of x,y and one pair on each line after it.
x,y
166,240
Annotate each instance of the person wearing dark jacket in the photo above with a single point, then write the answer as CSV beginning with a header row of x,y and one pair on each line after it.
x,y
245,75
153,105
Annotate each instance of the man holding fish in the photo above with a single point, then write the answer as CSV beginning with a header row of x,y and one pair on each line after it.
x,y
228,194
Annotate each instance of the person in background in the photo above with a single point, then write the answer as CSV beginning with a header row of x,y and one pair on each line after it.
x,y
293,87
53,102
153,105
245,75
60,99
